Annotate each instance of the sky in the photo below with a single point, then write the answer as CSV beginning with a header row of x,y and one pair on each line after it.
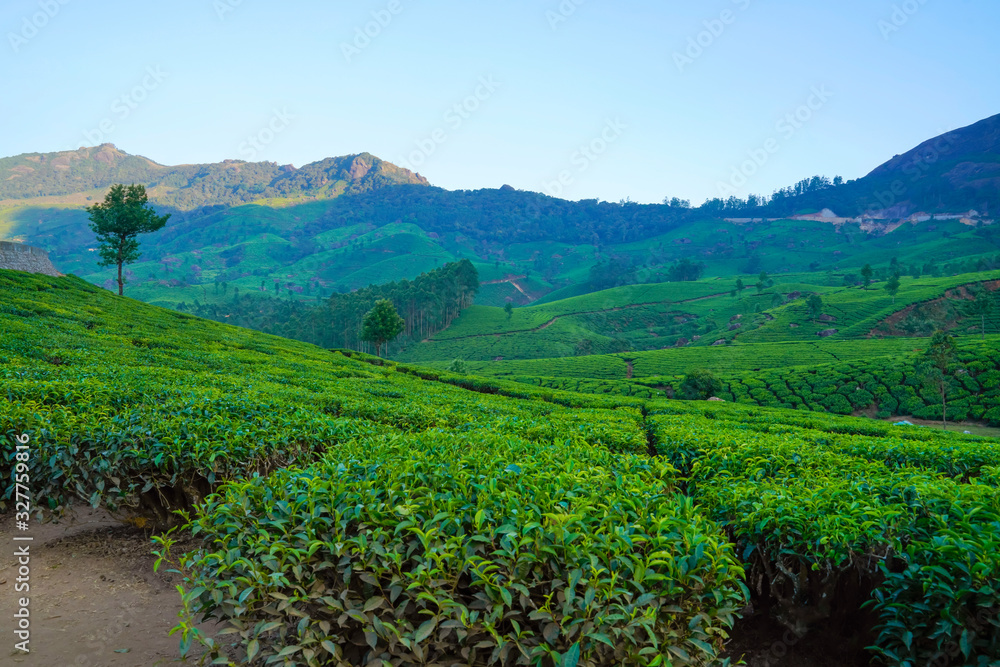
x,y
581,99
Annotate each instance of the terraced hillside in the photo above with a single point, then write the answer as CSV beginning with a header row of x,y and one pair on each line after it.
x,y
350,510
675,317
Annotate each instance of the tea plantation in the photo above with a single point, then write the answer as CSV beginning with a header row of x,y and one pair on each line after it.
x,y
654,322
352,511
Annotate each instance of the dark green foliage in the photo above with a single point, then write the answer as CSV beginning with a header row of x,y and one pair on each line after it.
x,y
427,304
685,270
815,305
699,385
892,286
613,273
866,275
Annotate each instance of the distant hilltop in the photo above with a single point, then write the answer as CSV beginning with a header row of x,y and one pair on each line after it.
x,y
18,257
191,186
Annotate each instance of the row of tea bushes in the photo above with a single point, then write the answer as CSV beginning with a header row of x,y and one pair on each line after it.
x,y
823,521
437,549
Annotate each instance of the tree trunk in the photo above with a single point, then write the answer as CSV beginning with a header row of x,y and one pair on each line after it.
x,y
944,408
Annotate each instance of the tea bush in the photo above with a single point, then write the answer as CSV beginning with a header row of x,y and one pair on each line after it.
x,y
435,549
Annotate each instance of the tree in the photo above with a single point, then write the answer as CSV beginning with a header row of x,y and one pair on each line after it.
x,y
584,347
740,287
939,369
815,304
892,286
381,325
981,307
699,384
509,309
117,221
457,366
685,270
866,274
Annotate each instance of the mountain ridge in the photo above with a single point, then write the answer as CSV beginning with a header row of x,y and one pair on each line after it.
x,y
189,186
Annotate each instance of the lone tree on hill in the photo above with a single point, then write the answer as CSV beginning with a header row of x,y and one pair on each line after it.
x,y
740,287
381,325
939,369
815,304
892,286
117,221
762,280
866,274
980,307
699,385
509,309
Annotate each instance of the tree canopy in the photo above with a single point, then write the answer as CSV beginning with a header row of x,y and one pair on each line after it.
x,y
118,220
381,325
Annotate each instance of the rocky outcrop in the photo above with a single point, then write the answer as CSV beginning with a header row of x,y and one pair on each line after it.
x,y
18,257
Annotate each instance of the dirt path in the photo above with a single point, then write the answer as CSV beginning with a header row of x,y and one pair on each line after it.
x,y
94,598
503,280
519,289
628,369
975,428
513,281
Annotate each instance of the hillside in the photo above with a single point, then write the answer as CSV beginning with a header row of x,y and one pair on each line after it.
x,y
660,321
342,481
344,223
956,172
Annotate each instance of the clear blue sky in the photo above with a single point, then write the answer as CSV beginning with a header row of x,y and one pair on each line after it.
x,y
558,75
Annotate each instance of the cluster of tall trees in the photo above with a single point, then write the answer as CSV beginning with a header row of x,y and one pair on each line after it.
x,y
427,304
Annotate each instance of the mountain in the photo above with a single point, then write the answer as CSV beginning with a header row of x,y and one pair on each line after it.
x,y
191,186
955,172
958,169
343,223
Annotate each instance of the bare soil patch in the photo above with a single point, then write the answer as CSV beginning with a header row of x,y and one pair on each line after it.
x,y
94,598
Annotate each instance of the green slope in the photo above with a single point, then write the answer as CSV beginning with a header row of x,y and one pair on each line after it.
x,y
640,319
343,482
